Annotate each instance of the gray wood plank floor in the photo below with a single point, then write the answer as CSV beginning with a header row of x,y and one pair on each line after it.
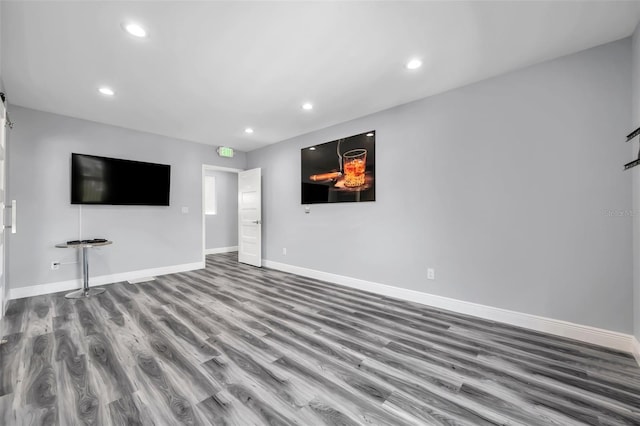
x,y
237,345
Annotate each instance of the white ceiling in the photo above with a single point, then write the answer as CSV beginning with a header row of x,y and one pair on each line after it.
x,y
208,70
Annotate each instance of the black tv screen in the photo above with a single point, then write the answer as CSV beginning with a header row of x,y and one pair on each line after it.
x,y
102,180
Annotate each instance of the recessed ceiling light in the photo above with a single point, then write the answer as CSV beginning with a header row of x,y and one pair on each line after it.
x,y
107,91
313,148
135,29
307,106
414,64
248,130
369,134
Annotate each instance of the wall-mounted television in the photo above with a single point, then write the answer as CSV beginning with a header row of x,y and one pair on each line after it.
x,y
102,180
340,171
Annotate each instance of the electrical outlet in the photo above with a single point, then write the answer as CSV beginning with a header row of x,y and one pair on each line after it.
x,y
284,251
431,274
55,265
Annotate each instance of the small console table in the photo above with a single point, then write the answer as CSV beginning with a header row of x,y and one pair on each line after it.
x,y
84,245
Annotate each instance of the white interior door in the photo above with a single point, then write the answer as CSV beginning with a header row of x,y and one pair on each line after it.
x,y
250,217
3,121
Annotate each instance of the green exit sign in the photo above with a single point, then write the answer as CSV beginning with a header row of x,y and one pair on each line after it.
x,y
225,151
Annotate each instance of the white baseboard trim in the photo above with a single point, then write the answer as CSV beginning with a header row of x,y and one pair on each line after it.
x,y
141,280
635,349
37,290
597,336
5,301
220,250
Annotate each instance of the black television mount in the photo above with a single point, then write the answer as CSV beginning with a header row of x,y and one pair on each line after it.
x,y
630,137
3,97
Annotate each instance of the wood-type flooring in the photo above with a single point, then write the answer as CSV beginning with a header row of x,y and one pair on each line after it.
x,y
237,345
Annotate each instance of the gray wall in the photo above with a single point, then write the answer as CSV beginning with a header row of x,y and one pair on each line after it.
x,y
634,123
221,229
144,237
510,188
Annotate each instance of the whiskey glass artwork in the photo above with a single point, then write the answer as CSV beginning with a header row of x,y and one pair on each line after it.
x,y
354,166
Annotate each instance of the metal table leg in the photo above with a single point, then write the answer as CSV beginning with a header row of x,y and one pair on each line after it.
x,y
85,291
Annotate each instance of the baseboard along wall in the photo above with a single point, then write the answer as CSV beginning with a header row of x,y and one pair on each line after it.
x,y
594,335
48,288
221,250
635,349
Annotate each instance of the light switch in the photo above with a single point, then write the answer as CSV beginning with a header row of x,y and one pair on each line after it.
x,y
185,210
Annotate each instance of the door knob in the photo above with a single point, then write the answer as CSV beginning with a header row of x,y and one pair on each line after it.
x,y
257,222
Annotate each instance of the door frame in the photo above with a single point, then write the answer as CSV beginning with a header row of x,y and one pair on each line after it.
x,y
4,285
205,168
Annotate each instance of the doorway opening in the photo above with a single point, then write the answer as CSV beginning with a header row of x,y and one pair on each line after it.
x,y
219,210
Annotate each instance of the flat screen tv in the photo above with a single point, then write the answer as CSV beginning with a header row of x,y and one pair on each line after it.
x,y
340,171
102,180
